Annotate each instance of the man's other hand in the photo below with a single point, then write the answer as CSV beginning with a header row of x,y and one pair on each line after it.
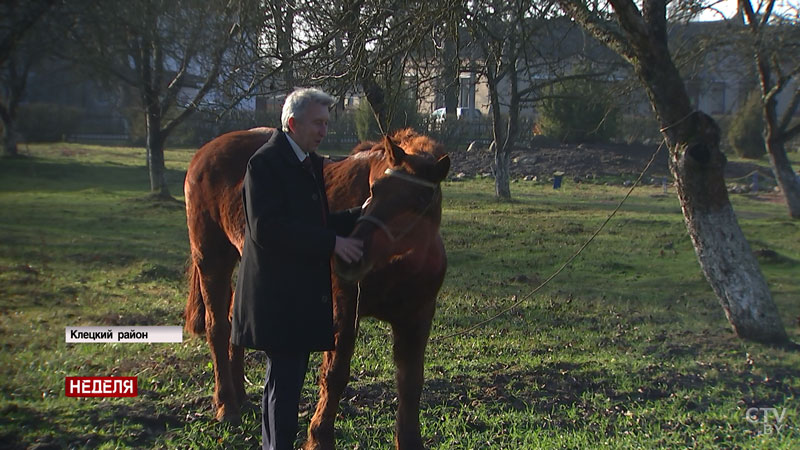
x,y
349,250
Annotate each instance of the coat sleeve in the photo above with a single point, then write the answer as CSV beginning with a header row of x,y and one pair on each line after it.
x,y
343,222
266,203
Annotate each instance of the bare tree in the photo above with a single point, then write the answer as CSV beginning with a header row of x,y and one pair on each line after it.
x,y
22,45
379,47
498,28
171,53
776,49
282,14
523,53
696,162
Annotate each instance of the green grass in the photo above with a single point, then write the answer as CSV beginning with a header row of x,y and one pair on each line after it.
x,y
628,348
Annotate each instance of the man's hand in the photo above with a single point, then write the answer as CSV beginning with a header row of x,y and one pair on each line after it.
x,y
349,250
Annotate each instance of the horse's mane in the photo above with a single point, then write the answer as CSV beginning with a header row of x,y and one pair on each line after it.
x,y
411,142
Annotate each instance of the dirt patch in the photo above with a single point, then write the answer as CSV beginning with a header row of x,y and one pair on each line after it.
x,y
583,160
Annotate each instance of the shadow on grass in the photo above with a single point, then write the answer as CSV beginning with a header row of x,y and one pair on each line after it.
x,y
560,388
44,175
144,422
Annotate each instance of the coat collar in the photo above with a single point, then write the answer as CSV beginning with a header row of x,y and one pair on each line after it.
x,y
288,155
301,155
285,149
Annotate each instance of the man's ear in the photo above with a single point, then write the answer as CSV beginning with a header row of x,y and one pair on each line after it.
x,y
291,122
393,152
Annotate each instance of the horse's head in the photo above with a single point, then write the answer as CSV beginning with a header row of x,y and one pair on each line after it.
x,y
405,206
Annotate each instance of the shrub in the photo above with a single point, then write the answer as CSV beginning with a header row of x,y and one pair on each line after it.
x,y
48,122
579,110
746,130
639,129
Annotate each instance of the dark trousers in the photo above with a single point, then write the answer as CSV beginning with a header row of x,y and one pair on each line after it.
x,y
279,406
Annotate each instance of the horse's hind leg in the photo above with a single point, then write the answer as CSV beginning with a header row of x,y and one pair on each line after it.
x,y
334,373
216,285
410,339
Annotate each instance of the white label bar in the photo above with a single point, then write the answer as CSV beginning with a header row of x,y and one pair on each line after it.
x,y
124,334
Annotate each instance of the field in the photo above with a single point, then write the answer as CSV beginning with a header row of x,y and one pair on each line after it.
x,y
628,348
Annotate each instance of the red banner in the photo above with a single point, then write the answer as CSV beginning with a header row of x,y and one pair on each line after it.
x,y
101,386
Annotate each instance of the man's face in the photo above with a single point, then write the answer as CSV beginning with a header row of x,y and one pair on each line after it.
x,y
310,128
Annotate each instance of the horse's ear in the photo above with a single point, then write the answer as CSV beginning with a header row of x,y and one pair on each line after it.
x,y
393,152
442,167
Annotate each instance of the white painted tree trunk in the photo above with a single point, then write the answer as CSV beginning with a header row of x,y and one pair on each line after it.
x,y
733,273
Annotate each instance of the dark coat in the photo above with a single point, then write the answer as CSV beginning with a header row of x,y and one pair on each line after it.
x,y
283,291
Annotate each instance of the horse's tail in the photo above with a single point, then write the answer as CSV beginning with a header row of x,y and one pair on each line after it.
x,y
195,312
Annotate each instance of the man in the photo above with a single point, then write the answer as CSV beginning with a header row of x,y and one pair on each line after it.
x,y
283,301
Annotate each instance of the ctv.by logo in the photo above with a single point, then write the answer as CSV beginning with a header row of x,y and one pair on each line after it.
x,y
772,419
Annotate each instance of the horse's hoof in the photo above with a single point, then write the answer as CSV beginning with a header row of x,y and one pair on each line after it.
x,y
226,415
317,442
314,445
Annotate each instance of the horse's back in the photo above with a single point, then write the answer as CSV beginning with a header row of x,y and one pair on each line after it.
x,y
223,160
214,181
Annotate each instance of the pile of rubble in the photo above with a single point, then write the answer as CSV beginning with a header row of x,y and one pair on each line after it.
x,y
610,163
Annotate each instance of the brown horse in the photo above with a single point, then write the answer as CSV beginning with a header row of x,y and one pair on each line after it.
x,y
398,278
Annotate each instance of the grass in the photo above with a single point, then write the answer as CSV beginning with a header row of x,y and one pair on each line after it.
x,y
628,348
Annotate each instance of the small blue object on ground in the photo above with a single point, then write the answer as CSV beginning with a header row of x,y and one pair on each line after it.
x,y
557,176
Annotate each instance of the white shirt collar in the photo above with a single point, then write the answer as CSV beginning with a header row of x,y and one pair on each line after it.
x,y
301,155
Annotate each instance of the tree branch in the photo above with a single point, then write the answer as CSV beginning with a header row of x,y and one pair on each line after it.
x,y
599,28
630,19
18,29
789,112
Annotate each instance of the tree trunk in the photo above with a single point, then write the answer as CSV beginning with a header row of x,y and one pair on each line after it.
x,y
697,164
502,185
785,176
506,141
10,137
450,72
502,149
722,250
155,157
8,106
283,15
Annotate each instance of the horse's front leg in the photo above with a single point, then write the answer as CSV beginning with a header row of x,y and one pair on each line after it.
x,y
335,371
236,354
410,339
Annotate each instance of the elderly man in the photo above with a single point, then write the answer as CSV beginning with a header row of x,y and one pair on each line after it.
x,y
283,301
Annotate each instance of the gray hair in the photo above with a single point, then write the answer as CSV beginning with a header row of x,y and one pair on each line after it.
x,y
297,102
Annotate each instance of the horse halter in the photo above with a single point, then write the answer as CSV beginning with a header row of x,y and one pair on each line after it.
x,y
411,179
